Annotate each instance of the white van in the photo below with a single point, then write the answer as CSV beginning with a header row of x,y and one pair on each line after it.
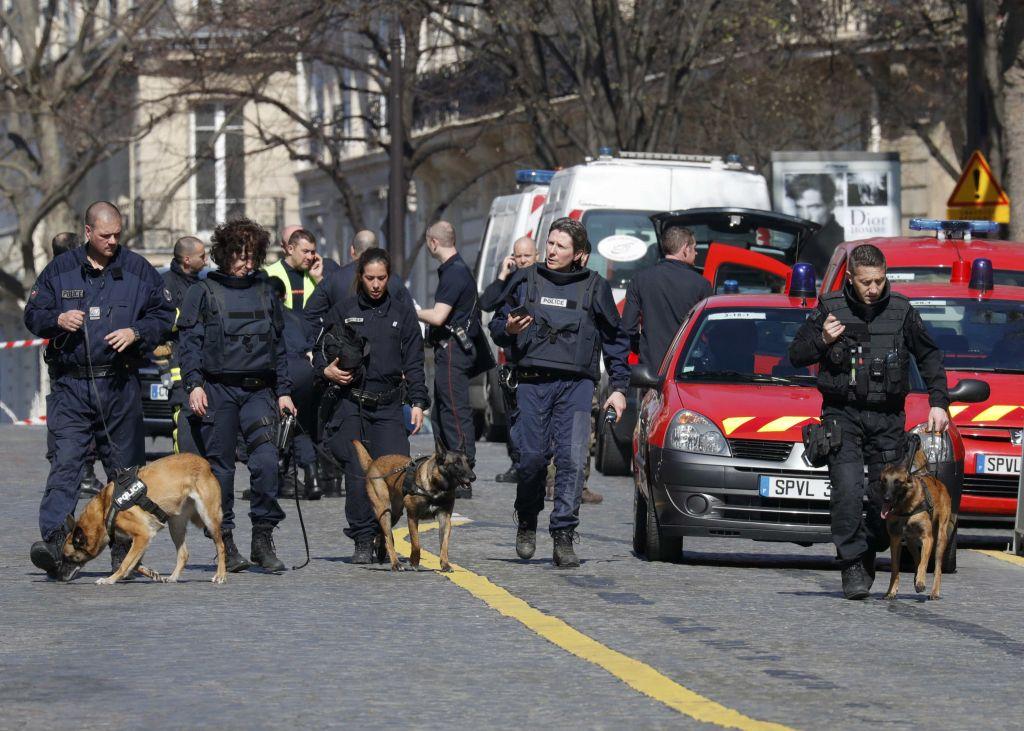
x,y
511,217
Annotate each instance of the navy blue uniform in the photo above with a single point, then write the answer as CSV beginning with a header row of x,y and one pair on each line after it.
x,y
242,382
177,282
127,293
370,409
453,416
298,341
337,286
557,363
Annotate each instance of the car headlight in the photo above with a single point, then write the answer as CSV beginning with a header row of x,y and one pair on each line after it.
x,y
937,447
693,432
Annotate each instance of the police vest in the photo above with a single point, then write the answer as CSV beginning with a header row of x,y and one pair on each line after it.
x,y
239,326
872,370
563,336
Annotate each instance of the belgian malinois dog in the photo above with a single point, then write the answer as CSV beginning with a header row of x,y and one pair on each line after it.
x,y
429,491
916,507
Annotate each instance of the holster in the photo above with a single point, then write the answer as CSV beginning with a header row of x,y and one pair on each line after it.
x,y
820,440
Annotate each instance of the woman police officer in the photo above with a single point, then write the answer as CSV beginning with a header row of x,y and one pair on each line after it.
x,y
370,407
235,372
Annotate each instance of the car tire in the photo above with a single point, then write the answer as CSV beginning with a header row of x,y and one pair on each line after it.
x,y
657,546
611,459
949,560
639,524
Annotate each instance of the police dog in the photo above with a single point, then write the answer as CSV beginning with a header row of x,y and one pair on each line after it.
x,y
916,507
184,487
432,493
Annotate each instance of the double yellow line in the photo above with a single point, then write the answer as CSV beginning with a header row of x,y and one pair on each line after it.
x,y
637,675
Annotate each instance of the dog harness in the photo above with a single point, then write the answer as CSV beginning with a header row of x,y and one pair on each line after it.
x,y
129,491
409,484
925,506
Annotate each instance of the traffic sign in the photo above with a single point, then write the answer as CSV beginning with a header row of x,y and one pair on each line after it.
x,y
978,195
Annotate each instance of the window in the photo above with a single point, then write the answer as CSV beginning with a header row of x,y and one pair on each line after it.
x,y
219,178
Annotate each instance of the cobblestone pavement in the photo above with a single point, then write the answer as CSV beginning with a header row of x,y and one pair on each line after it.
x,y
758,628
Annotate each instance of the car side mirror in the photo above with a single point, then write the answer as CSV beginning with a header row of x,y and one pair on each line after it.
x,y
643,377
970,391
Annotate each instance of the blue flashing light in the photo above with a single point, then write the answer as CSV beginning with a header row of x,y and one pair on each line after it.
x,y
604,152
730,286
537,177
982,276
953,226
803,282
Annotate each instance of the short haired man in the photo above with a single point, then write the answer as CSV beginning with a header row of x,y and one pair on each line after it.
x,y
65,241
846,336
454,324
300,269
189,259
571,320
105,305
814,198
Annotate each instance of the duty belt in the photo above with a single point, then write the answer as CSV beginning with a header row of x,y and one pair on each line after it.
x,y
103,371
252,383
530,375
372,398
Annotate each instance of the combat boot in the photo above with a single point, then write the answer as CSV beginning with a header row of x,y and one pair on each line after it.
x,y
311,483
589,497
330,480
526,539
868,562
232,558
856,582
263,554
118,551
286,482
48,555
564,555
363,553
510,475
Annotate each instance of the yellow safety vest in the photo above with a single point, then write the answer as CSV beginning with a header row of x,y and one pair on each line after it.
x,y
278,271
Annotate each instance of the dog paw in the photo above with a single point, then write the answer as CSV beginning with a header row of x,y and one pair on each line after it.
x,y
105,581
890,596
919,586
219,579
934,596
446,568
397,567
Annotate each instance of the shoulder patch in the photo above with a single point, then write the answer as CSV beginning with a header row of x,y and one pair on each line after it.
x,y
33,293
167,295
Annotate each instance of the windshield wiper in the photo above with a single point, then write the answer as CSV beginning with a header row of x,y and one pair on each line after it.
x,y
734,376
987,370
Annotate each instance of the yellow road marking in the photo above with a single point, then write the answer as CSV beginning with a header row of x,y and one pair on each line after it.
x,y
784,423
732,423
956,409
995,413
642,678
1002,556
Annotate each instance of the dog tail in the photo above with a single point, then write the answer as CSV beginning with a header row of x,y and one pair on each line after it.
x,y
364,457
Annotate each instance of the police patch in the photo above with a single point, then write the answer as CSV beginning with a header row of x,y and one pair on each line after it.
x,y
33,293
353,319
72,294
553,301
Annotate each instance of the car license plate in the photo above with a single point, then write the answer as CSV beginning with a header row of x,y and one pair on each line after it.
x,y
996,464
803,488
157,392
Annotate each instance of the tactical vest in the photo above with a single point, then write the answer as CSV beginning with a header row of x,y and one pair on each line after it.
x,y
564,336
876,371
239,327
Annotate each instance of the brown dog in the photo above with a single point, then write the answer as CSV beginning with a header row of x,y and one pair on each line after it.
x,y
183,486
431,492
916,507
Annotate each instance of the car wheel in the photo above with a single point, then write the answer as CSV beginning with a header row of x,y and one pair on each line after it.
x,y
493,432
657,546
639,524
612,459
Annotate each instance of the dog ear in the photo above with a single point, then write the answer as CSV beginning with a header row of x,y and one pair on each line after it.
x,y
913,444
78,539
440,451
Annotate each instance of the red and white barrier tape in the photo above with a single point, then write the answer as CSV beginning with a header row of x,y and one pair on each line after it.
x,y
34,421
7,344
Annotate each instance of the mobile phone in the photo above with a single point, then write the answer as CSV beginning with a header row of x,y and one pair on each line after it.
x,y
519,311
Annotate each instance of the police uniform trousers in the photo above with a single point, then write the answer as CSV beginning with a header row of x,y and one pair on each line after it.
x,y
382,431
92,453
554,419
872,437
300,370
73,423
452,414
233,410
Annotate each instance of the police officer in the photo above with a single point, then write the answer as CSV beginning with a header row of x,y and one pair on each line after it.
x,y
862,339
102,306
659,298
235,371
300,270
189,259
570,318
455,324
370,407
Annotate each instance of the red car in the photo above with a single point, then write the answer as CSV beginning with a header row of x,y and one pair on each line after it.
x,y
717,447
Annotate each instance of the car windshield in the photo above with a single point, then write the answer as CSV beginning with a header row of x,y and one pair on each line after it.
x,y
941,275
748,345
984,336
614,256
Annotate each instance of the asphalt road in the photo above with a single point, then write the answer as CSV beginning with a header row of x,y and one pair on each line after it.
x,y
742,634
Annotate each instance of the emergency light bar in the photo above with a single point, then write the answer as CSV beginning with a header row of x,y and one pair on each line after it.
x,y
730,286
802,283
943,227
537,177
982,278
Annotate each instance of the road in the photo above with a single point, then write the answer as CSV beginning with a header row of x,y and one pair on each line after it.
x,y
742,634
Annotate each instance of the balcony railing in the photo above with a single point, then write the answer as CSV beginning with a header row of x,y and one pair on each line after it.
x,y
157,226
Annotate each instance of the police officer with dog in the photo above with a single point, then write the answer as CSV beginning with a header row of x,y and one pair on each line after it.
x,y
558,318
371,351
235,371
103,307
862,340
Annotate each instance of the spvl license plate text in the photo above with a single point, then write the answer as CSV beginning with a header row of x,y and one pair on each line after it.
x,y
796,488
996,464
157,392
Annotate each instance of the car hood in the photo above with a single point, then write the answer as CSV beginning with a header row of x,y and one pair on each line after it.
x,y
1003,407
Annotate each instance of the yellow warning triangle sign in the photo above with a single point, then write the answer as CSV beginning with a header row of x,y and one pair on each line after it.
x,y
977,186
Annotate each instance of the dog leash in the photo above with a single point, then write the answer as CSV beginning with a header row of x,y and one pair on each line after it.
x,y
284,455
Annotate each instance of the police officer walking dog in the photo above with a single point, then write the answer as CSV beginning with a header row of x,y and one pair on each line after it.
x,y
862,339
102,306
235,371
558,318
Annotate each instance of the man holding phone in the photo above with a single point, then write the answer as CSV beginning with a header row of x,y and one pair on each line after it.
x,y
300,270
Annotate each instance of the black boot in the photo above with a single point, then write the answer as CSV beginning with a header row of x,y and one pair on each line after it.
x,y
363,554
286,483
48,555
263,554
526,539
118,551
311,483
330,481
564,555
90,484
509,475
856,583
868,562
232,558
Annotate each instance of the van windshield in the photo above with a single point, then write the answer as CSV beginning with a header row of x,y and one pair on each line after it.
x,y
619,264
